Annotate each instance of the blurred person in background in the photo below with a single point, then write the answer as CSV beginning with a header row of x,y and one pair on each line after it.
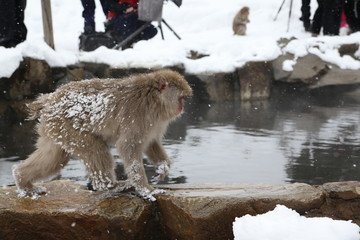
x,y
305,14
123,20
327,17
89,14
352,13
12,28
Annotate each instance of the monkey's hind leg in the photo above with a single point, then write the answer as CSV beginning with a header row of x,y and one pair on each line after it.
x,y
95,154
46,161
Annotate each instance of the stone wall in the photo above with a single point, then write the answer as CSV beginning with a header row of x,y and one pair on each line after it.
x,y
185,212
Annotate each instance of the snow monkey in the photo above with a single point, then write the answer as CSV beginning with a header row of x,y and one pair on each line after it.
x,y
240,21
82,119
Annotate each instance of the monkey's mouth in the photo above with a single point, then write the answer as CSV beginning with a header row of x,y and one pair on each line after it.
x,y
181,104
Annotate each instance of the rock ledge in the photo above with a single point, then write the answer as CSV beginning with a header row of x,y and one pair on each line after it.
x,y
186,211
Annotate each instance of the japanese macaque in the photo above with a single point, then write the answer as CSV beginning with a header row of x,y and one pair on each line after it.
x,y
83,119
240,21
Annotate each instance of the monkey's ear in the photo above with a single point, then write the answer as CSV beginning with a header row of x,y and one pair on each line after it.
x,y
162,86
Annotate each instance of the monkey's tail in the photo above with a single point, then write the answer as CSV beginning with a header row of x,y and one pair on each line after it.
x,y
36,106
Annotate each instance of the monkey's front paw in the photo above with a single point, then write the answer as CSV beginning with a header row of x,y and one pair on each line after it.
x,y
147,195
158,191
161,172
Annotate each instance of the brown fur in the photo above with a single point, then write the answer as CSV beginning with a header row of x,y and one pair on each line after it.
x,y
82,119
240,21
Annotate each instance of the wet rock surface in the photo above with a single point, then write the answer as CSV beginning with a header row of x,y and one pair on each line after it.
x,y
219,86
255,79
186,211
69,211
308,69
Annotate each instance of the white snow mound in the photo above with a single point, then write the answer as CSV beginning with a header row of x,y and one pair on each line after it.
x,y
285,224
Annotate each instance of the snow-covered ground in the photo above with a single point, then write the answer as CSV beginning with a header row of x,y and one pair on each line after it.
x,y
204,26
285,224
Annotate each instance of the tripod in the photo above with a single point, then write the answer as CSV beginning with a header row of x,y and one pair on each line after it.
x,y
170,28
290,9
140,29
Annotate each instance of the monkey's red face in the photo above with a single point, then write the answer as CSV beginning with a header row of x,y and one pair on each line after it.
x,y
174,98
173,91
181,104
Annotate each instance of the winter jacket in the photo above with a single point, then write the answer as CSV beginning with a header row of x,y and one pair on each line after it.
x,y
118,7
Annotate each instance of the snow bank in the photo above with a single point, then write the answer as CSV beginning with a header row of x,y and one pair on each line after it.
x,y
205,26
283,224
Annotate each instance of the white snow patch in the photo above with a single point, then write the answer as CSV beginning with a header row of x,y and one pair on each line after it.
x,y
9,60
288,65
283,224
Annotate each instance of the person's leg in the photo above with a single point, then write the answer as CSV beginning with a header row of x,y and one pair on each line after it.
x,y
104,7
317,20
21,30
123,25
133,23
7,23
88,15
357,15
352,13
148,32
305,14
332,17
